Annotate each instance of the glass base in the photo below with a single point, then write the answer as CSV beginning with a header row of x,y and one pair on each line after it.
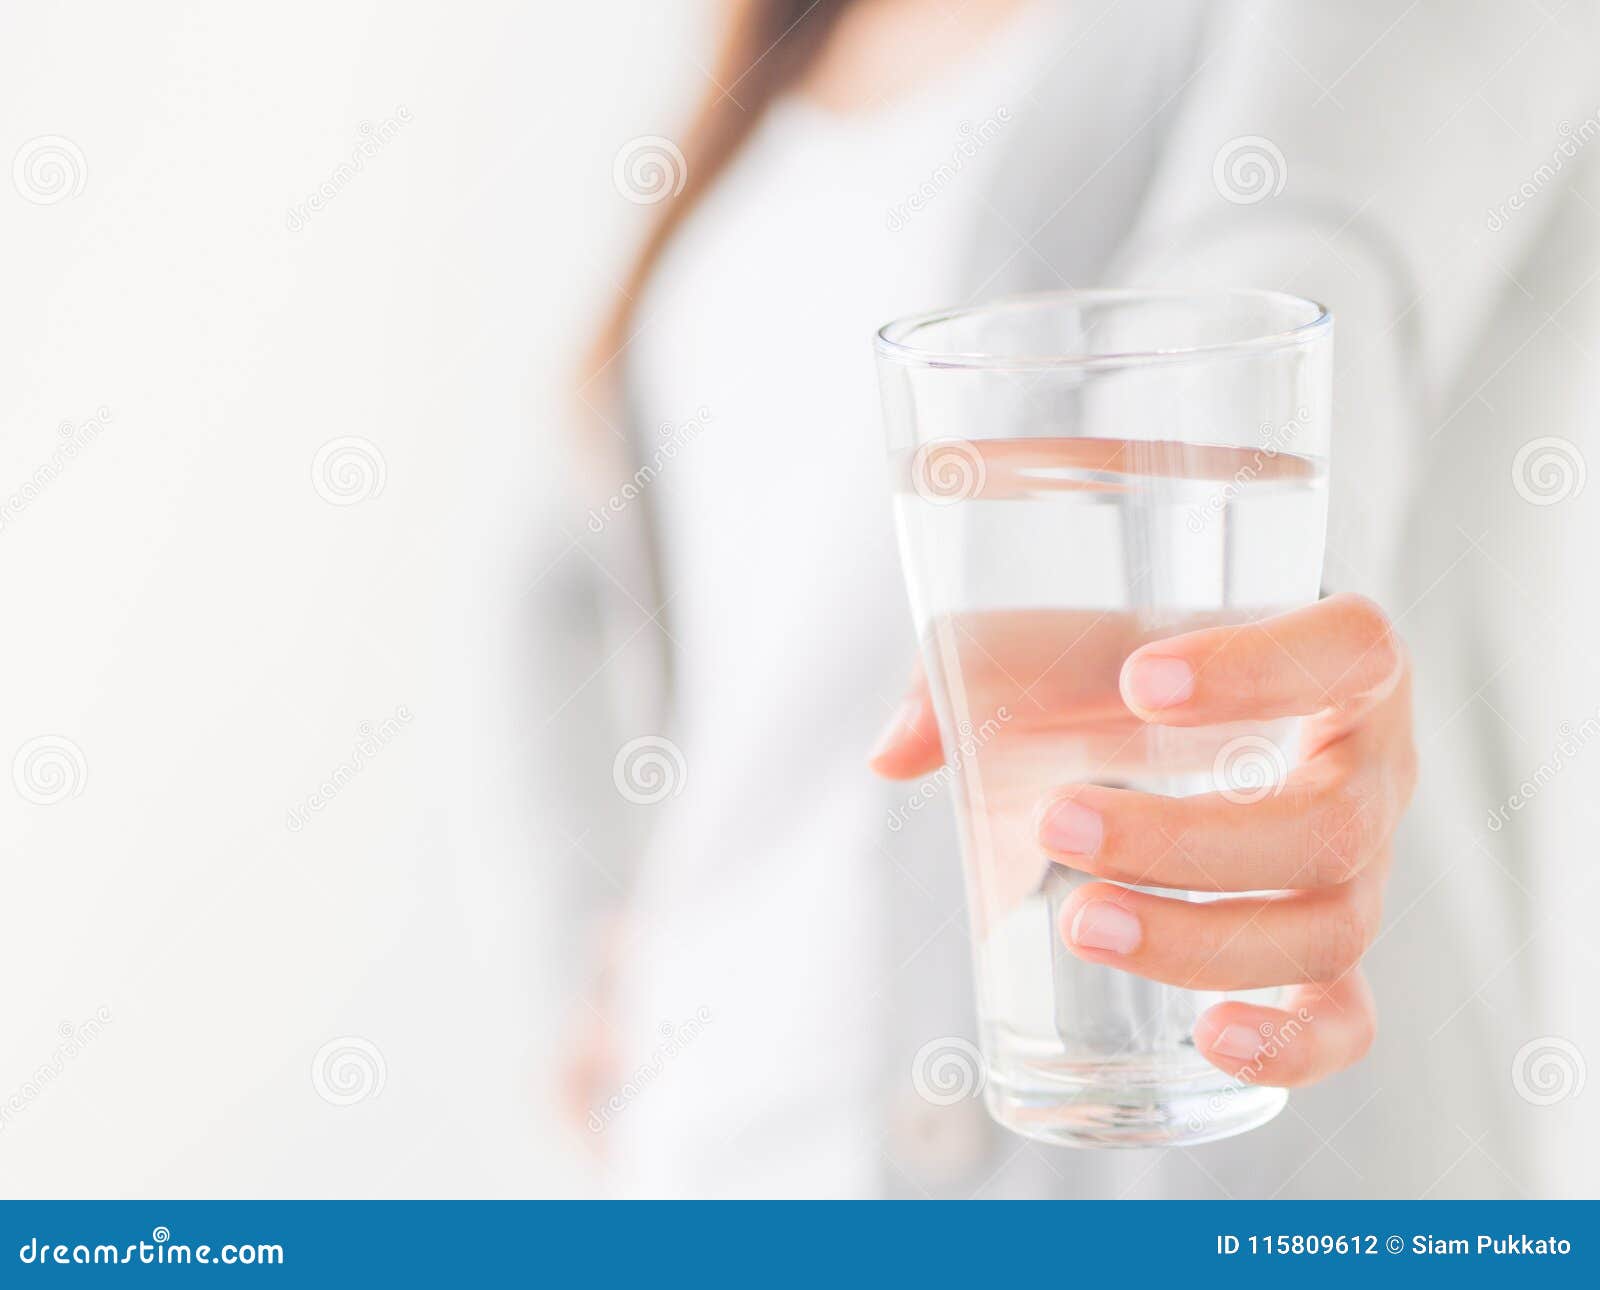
x,y
1094,1113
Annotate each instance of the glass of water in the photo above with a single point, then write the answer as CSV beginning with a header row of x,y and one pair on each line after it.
x,y
1076,474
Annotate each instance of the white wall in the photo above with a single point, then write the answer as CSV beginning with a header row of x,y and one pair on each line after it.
x,y
209,632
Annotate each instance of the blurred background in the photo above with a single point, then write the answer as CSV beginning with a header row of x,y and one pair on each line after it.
x,y
206,620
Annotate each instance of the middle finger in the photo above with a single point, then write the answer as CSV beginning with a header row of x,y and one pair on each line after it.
x,y
1320,828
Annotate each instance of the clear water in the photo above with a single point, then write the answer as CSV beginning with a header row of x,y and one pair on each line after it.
x,y
1036,566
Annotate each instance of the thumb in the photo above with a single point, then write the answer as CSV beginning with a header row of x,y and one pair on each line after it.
x,y
909,745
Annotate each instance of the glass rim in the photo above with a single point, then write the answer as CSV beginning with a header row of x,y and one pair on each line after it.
x,y
891,339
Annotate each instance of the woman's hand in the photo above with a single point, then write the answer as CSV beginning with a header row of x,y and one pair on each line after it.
x,y
1320,841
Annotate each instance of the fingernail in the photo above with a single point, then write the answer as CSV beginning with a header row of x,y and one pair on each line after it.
x,y
1072,828
1101,925
900,726
1242,1042
1158,682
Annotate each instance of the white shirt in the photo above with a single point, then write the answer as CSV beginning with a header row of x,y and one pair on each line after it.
x,y
761,896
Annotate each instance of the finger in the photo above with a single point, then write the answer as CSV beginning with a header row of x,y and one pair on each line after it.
x,y
1319,1031
1318,828
1340,653
909,746
1240,943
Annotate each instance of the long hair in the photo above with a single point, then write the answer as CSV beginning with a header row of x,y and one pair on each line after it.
x,y
766,47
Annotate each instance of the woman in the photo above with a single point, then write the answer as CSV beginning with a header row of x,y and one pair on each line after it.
x,y
795,929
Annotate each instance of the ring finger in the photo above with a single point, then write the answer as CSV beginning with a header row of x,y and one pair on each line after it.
x,y
1235,943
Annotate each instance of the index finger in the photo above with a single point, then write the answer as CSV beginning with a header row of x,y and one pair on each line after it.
x,y
1340,653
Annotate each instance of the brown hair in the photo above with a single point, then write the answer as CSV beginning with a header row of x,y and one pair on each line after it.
x,y
766,47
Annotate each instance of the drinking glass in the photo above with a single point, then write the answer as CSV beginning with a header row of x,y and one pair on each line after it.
x,y
1075,474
